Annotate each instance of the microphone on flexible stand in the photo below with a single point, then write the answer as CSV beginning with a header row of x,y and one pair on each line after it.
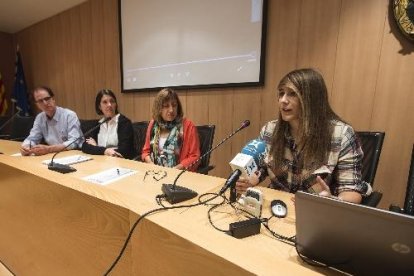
x,y
66,168
175,194
8,121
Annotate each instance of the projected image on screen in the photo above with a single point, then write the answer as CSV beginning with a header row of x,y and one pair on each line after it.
x,y
191,43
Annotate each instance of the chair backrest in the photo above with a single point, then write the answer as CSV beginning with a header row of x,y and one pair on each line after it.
x,y
371,143
87,124
140,129
21,127
4,128
206,136
409,195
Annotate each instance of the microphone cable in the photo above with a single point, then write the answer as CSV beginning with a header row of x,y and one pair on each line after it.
x,y
264,221
147,214
224,202
312,262
288,240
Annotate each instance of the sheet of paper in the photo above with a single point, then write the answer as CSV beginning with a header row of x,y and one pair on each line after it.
x,y
109,176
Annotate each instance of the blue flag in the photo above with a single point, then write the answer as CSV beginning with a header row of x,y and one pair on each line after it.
x,y
20,96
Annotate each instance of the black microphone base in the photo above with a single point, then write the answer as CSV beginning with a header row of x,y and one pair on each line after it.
x,y
177,194
61,168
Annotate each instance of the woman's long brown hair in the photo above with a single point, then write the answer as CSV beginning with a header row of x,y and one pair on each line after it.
x,y
315,129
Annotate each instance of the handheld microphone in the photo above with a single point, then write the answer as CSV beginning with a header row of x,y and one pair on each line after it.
x,y
66,168
175,194
250,158
234,176
9,120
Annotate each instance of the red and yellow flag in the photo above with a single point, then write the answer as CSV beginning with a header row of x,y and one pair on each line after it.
x,y
3,100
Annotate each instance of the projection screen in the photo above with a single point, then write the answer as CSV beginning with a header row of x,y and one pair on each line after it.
x,y
191,43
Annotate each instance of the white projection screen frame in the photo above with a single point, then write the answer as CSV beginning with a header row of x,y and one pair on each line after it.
x,y
191,43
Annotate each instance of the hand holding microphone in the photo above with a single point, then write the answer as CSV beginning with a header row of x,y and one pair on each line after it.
x,y
245,183
249,161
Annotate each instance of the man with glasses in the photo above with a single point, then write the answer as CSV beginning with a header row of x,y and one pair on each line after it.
x,y
56,126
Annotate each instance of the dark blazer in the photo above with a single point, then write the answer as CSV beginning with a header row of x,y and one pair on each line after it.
x,y
125,139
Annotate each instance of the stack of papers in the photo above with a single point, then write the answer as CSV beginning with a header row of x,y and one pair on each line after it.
x,y
69,160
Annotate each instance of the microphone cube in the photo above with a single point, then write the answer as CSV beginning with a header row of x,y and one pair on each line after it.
x,y
245,163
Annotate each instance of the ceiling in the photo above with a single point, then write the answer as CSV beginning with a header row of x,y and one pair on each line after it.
x,y
16,15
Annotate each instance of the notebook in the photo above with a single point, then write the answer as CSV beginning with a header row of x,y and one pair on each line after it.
x,y
354,238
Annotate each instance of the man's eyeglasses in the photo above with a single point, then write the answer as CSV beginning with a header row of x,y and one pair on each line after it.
x,y
44,100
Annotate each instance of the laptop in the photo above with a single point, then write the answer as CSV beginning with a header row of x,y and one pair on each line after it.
x,y
354,238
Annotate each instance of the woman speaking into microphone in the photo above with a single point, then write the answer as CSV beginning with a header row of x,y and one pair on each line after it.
x,y
310,148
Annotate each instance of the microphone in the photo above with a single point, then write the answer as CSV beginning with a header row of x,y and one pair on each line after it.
x,y
175,194
9,120
231,183
61,168
245,163
248,162
251,157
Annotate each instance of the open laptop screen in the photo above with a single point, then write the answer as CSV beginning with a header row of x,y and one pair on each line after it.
x,y
354,238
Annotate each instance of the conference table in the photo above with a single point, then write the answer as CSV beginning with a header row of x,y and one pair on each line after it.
x,y
62,224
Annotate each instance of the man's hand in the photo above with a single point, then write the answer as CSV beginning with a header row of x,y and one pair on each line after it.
x,y
40,150
25,150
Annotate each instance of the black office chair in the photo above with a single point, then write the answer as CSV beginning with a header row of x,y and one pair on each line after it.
x,y
409,195
20,128
87,124
371,143
4,126
206,136
140,130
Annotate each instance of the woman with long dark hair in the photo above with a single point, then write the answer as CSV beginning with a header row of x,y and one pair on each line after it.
x,y
310,147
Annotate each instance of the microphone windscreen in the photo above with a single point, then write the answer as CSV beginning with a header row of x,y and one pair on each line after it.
x,y
251,157
257,149
245,124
